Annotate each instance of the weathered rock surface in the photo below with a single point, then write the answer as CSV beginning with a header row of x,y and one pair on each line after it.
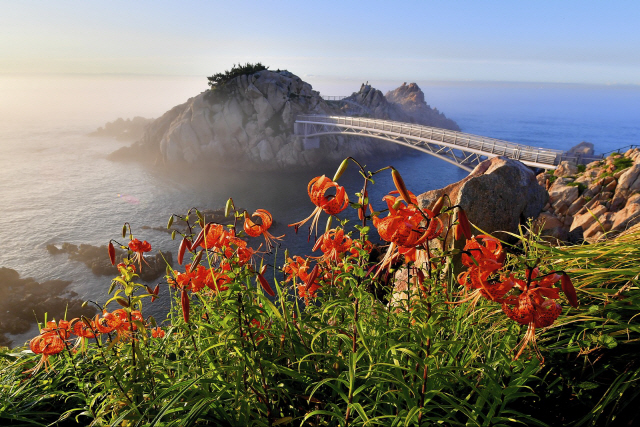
x,y
600,202
20,299
124,130
497,196
249,125
411,99
97,259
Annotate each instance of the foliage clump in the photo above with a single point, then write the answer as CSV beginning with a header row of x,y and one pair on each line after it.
x,y
218,80
219,91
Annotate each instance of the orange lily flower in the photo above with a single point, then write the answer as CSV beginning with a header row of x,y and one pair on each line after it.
x,y
254,230
332,205
300,268
486,258
140,248
157,332
402,228
333,244
535,306
50,341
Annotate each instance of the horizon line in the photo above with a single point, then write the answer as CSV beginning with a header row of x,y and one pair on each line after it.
x,y
325,77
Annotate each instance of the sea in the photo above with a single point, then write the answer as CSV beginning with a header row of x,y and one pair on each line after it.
x,y
56,184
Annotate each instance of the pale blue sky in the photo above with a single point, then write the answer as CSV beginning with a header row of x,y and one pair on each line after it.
x,y
542,41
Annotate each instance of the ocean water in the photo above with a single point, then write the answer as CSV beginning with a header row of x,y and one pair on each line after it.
x,y
57,186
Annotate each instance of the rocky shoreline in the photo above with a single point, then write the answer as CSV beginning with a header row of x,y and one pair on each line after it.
x,y
25,300
593,202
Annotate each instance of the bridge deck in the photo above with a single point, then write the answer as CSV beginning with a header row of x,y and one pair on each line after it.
x,y
464,142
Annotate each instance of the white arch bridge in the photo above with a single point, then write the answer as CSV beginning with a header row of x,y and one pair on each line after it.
x,y
461,149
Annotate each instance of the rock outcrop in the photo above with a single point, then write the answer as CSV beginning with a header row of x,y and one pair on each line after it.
x,y
21,299
411,99
249,125
599,201
124,130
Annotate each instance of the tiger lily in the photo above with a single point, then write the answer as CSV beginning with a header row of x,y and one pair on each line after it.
x,y
333,244
139,248
332,205
254,230
535,306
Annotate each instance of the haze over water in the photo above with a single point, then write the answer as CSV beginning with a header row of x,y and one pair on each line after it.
x,y
57,186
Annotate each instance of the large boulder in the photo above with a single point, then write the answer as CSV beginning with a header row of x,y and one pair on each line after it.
x,y
498,196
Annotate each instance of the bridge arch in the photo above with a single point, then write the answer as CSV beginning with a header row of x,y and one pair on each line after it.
x,y
458,148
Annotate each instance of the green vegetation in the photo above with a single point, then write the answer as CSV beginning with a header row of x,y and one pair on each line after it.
x,y
582,168
622,163
581,186
219,91
320,344
219,79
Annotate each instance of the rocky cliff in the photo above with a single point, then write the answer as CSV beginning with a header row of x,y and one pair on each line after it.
x,y
249,124
411,100
405,104
597,201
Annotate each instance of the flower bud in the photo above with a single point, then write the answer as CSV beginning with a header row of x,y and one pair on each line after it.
x,y
265,285
123,302
341,169
182,249
170,222
569,290
184,299
463,222
228,207
112,254
438,206
196,261
399,183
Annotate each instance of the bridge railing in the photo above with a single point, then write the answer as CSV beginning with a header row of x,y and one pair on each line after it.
x,y
464,141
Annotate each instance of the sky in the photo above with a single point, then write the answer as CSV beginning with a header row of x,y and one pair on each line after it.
x,y
593,42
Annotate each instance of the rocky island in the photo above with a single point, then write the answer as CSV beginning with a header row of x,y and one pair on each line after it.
x,y
246,121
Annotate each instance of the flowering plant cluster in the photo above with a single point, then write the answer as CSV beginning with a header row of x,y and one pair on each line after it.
x,y
293,349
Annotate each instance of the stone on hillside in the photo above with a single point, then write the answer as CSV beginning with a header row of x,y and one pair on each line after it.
x,y
576,206
586,219
498,195
628,216
565,169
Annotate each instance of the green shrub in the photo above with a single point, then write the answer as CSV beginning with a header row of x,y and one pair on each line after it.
x,y
622,163
219,79
582,168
